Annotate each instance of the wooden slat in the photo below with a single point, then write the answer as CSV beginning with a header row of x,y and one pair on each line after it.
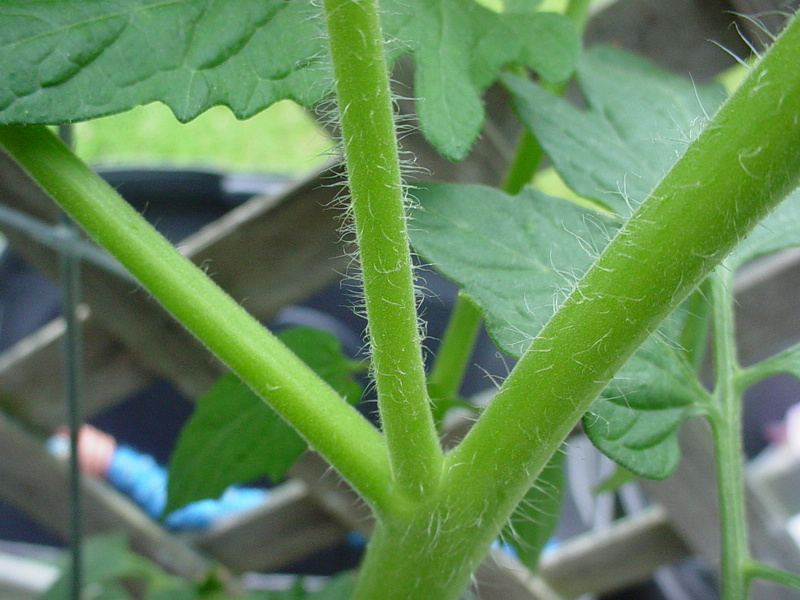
x,y
37,482
256,252
767,306
690,497
764,14
31,383
626,553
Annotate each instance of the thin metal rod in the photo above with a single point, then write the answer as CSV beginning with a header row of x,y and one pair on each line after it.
x,y
62,239
70,284
65,236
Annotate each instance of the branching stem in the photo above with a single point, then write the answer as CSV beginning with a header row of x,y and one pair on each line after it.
x,y
726,421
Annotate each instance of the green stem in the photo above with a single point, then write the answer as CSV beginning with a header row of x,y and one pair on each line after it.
x,y
317,412
731,176
725,418
577,12
759,570
370,147
737,170
527,157
782,362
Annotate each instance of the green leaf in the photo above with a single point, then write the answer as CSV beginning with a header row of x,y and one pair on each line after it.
x,y
656,377
234,436
532,524
636,419
518,6
76,60
459,50
644,442
639,120
322,352
515,256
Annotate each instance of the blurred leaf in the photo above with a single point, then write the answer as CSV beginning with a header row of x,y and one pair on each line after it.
x,y
532,524
616,480
172,589
339,587
234,436
779,231
518,6
639,120
107,558
516,256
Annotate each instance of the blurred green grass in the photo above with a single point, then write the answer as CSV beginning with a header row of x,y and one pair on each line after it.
x,y
282,139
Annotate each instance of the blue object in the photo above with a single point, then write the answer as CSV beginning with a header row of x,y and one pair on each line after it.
x,y
141,478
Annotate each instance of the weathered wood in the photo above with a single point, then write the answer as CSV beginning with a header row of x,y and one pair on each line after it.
x,y
681,35
764,17
256,252
31,382
290,526
37,483
626,553
332,493
690,498
767,305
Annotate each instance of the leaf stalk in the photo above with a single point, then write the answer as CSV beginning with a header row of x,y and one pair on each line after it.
x,y
725,417
377,200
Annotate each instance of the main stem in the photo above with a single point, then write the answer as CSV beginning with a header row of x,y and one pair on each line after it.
x,y
737,170
726,423
376,192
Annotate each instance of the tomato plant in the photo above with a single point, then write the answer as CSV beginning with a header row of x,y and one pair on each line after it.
x,y
571,289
